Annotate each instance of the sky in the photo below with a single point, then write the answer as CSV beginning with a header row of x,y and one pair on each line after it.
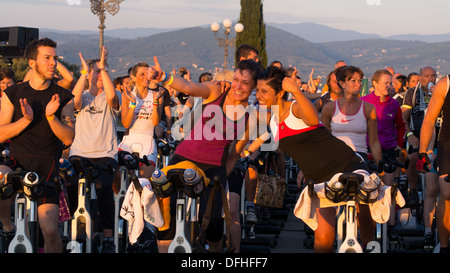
x,y
382,17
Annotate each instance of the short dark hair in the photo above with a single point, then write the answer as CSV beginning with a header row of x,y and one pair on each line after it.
x,y
251,66
135,68
345,73
7,73
274,77
205,77
32,49
244,50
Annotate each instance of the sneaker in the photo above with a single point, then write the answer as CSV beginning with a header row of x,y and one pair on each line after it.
x,y
392,233
428,241
251,215
108,245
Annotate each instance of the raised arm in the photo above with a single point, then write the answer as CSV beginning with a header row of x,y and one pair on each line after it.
x,y
80,85
304,108
108,85
205,90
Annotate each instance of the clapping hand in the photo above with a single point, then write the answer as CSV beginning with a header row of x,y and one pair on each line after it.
x,y
27,111
52,106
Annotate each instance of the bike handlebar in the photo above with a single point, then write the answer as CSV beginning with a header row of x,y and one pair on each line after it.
x,y
131,160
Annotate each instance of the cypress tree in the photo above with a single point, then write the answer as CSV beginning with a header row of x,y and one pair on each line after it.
x,y
254,33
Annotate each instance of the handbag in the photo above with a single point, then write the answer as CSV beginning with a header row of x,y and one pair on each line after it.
x,y
271,188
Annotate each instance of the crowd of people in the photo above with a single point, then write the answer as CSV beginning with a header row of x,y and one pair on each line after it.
x,y
45,118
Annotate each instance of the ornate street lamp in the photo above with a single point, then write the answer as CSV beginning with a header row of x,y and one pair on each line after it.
x,y
99,7
215,27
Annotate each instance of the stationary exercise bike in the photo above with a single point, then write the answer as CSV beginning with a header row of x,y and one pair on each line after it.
x,y
183,180
28,187
84,223
129,172
351,188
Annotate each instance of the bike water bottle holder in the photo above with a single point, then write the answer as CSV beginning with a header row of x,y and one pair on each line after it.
x,y
175,182
353,185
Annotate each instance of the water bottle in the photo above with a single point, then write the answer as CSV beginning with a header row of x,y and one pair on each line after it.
x,y
161,186
66,169
192,179
430,84
5,154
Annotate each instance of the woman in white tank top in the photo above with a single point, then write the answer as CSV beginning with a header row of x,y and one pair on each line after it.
x,y
141,112
350,119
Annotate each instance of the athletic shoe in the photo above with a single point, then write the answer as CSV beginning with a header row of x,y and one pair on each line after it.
x,y
108,245
251,216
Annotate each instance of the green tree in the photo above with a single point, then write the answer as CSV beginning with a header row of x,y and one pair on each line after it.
x,y
18,65
254,33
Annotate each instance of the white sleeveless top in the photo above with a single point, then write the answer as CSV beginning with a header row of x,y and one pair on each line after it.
x,y
142,118
352,129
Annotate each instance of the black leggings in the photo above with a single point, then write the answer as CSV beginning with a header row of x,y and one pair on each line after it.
x,y
105,193
215,230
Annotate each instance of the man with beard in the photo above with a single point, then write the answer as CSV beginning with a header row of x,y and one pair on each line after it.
x,y
34,116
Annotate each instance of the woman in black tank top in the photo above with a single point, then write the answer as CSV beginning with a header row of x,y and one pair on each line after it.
x,y
318,154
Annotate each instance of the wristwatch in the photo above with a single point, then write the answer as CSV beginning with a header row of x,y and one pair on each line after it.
x,y
104,68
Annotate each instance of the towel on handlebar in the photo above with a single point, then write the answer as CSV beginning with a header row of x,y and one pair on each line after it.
x,y
138,207
306,206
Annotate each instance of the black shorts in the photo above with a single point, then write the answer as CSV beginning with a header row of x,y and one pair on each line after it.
x,y
236,178
43,167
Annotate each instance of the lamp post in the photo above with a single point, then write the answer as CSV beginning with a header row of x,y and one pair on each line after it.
x,y
226,42
99,7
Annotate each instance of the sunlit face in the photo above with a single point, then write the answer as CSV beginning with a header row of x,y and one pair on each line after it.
x,y
383,85
266,94
125,83
141,77
45,64
253,56
242,85
95,76
352,85
427,75
414,80
5,83
397,85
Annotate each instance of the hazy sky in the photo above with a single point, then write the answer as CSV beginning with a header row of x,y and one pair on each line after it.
x,y
383,17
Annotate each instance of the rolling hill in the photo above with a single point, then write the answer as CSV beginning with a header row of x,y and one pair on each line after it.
x,y
197,49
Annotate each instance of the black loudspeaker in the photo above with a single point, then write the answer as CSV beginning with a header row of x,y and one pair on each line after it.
x,y
14,40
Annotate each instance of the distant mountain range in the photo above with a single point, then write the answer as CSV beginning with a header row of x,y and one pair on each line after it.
x,y
305,46
312,32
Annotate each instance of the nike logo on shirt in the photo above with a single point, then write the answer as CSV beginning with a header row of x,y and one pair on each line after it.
x,y
346,120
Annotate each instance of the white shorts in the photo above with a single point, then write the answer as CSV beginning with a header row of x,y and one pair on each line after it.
x,y
142,144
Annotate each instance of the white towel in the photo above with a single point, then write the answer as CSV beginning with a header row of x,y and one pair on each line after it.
x,y
306,206
138,207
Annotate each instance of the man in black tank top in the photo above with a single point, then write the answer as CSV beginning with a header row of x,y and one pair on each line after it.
x,y
440,102
34,118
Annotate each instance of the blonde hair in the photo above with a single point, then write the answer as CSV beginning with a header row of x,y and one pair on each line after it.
x,y
224,75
